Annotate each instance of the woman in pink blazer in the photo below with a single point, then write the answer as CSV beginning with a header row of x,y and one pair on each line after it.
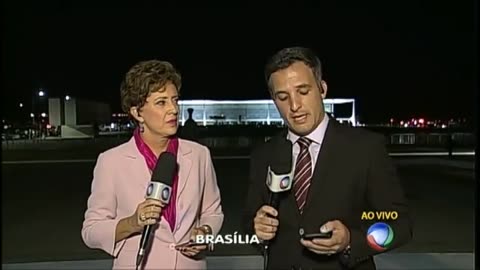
x,y
117,210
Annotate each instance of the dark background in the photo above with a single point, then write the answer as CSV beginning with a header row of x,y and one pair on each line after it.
x,y
398,59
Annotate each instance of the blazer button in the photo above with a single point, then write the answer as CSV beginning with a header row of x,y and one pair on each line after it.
x,y
172,246
301,231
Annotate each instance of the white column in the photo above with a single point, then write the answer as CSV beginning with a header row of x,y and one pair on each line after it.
x,y
353,118
204,115
268,114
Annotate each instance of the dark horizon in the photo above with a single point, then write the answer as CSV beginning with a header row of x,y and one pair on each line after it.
x,y
402,61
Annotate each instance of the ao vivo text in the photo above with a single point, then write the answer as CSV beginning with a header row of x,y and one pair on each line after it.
x,y
379,215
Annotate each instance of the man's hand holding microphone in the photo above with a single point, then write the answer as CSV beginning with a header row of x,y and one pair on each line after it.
x,y
279,180
266,223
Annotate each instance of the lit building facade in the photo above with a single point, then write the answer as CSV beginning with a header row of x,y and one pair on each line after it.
x,y
233,112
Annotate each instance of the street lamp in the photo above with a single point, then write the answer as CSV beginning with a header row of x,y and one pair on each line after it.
x,y
44,114
67,97
37,93
21,105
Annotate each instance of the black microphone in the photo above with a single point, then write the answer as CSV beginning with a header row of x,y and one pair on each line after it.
x,y
279,179
280,172
158,189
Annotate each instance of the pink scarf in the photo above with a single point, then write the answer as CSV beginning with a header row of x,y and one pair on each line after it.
x,y
169,211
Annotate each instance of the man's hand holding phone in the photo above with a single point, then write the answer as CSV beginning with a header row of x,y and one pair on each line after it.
x,y
323,244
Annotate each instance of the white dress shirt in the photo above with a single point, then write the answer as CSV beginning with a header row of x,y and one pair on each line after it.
x,y
316,136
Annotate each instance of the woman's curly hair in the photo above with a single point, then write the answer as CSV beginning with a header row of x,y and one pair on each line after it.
x,y
144,78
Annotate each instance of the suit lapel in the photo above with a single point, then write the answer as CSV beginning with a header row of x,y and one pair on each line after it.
x,y
184,166
323,166
131,152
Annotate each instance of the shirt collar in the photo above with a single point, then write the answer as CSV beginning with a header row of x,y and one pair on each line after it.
x,y
316,135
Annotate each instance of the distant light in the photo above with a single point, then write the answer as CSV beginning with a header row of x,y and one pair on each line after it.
x,y
112,125
415,122
5,127
444,126
44,114
391,120
67,97
41,93
128,125
401,123
32,115
49,126
21,105
405,125
421,120
255,101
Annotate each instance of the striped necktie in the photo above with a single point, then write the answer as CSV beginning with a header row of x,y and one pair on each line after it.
x,y
303,173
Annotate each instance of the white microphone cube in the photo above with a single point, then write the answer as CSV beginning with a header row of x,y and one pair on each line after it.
x,y
159,191
279,182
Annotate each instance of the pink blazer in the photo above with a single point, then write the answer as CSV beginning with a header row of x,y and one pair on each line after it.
x,y
120,179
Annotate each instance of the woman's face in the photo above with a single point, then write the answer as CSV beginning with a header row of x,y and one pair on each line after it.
x,y
159,113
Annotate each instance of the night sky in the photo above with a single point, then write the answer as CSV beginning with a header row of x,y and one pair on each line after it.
x,y
408,59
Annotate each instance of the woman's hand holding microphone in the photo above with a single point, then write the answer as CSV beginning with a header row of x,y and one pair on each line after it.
x,y
148,213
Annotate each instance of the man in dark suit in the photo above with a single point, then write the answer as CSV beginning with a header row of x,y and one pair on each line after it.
x,y
340,172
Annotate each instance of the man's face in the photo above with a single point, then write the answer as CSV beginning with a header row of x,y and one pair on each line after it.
x,y
298,97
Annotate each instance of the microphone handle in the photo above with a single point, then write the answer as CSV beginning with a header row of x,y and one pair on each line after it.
x,y
266,243
274,202
143,243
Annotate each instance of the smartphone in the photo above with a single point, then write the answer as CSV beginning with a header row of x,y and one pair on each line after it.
x,y
190,244
311,236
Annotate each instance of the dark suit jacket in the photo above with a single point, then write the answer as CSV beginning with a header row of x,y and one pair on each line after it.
x,y
353,174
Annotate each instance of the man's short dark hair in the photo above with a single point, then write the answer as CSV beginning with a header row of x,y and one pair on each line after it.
x,y
286,57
